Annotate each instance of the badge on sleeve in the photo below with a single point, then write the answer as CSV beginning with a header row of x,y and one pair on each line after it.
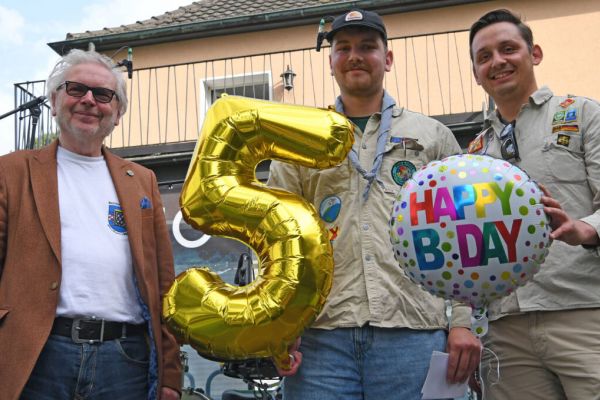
x,y
563,140
565,128
559,117
567,103
330,208
333,233
571,115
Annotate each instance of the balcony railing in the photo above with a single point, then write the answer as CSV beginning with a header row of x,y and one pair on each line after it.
x,y
431,74
34,126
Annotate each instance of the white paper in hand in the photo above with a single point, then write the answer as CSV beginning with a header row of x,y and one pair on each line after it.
x,y
436,386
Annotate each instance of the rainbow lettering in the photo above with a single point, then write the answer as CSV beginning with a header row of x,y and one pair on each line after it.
x,y
492,239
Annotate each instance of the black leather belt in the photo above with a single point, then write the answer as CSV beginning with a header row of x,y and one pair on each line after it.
x,y
91,330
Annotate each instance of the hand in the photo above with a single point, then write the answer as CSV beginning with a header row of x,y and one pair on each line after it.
x,y
564,228
296,360
464,351
166,393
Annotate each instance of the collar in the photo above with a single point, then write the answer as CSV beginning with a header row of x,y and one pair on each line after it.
x,y
537,98
541,96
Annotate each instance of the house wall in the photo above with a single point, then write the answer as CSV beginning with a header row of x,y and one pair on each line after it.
x,y
166,104
432,74
568,33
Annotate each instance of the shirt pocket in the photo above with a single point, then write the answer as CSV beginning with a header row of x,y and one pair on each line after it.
x,y
400,162
334,180
564,158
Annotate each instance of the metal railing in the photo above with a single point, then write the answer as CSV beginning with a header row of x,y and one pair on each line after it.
x,y
33,122
431,74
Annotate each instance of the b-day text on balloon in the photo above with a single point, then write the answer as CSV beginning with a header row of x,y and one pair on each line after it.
x,y
492,239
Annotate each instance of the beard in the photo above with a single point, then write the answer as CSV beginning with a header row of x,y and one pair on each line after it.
x,y
84,134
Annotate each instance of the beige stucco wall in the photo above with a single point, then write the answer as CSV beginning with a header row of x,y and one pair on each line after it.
x,y
432,74
567,31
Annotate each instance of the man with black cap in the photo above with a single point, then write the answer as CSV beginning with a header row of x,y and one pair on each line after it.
x,y
377,331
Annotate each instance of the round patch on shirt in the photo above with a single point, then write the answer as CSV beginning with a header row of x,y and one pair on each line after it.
x,y
402,171
330,208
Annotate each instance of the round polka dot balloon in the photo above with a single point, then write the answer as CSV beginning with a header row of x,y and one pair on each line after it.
x,y
469,228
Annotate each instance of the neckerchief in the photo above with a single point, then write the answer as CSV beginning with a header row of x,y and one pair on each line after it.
x,y
385,126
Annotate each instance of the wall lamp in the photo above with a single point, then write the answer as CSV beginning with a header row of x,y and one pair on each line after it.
x,y
288,78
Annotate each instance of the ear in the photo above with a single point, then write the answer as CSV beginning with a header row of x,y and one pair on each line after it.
x,y
53,104
537,54
118,117
389,60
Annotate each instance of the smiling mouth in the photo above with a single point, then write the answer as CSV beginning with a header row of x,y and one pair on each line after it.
x,y
87,115
501,75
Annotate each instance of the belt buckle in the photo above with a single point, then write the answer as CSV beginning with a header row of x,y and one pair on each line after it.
x,y
75,328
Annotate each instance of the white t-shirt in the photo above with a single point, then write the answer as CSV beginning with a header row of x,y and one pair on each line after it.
x,y
97,271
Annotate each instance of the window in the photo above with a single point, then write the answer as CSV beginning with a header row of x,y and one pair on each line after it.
x,y
256,85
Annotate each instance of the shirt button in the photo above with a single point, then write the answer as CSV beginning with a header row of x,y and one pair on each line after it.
x,y
368,257
365,227
53,285
364,146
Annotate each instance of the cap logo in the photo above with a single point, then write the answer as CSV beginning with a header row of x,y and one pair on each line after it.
x,y
354,16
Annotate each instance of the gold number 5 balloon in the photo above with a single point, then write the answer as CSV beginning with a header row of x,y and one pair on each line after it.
x,y
221,196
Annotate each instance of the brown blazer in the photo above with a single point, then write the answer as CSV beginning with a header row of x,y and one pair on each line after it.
x,y
30,260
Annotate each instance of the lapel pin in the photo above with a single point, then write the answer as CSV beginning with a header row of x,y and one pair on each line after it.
x,y
130,172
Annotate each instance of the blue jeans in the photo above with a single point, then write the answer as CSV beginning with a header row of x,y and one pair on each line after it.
x,y
365,363
115,369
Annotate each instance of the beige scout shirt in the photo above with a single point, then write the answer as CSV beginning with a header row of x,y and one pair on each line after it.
x,y
368,286
559,145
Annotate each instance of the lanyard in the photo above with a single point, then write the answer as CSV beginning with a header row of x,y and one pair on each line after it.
x,y
385,126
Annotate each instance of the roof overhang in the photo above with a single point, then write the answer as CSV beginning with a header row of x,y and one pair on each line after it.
x,y
245,24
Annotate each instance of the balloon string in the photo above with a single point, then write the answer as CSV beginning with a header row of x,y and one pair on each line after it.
x,y
489,371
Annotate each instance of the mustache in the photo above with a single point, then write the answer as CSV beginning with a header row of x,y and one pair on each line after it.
x,y
359,66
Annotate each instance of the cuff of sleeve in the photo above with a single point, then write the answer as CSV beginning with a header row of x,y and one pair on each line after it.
x,y
594,221
461,316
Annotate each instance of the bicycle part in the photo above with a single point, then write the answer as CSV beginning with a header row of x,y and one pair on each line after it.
x,y
255,369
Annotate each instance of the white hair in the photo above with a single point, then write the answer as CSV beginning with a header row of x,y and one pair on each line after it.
x,y
76,57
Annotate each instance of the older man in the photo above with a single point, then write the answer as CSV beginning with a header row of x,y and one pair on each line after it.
x,y
546,335
84,256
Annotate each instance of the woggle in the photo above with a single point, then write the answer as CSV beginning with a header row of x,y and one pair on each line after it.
x,y
470,228
221,196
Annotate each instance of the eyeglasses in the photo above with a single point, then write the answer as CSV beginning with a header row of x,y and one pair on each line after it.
x,y
76,89
508,143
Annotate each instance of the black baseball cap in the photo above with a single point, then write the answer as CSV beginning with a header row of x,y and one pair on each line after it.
x,y
356,17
